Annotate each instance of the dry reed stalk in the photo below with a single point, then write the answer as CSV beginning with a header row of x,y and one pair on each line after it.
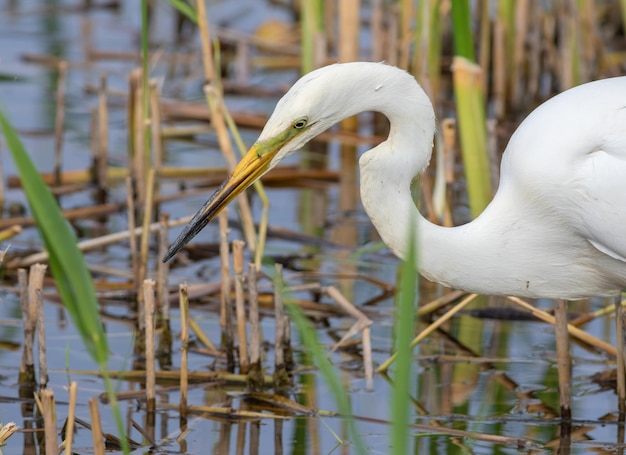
x,y
226,312
255,373
362,325
163,270
2,179
87,245
280,373
202,337
96,427
184,338
71,214
586,317
138,168
499,67
71,415
431,328
214,96
484,40
132,239
144,248
391,57
27,367
149,306
573,331
522,27
563,359
47,407
41,340
621,363
255,433
59,121
377,31
240,311
6,431
101,153
406,20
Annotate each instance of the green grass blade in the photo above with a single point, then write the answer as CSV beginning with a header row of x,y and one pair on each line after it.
x,y
185,9
66,261
404,366
308,335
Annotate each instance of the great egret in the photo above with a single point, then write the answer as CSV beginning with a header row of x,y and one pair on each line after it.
x,y
556,227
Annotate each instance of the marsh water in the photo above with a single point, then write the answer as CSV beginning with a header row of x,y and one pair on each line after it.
x,y
483,375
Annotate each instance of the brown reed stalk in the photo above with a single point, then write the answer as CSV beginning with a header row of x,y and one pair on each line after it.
x,y
96,427
41,340
563,359
240,311
573,331
621,364
101,152
149,306
281,378
430,329
27,368
71,416
132,240
48,411
2,179
59,121
138,168
144,248
213,92
184,338
226,313
255,373
377,31
163,302
406,20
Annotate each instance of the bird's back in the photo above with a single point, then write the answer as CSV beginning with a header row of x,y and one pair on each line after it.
x,y
568,161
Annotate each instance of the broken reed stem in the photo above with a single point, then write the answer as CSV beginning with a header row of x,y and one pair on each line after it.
x,y
430,329
184,338
163,302
148,302
255,373
101,146
155,124
362,325
59,122
280,373
238,261
145,236
41,340
46,400
71,416
96,427
621,373
27,366
226,304
563,358
573,331
132,227
138,131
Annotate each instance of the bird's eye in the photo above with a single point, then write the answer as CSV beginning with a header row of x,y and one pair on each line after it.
x,y
300,123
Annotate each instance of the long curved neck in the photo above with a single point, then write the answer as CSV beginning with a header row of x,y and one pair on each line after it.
x,y
387,176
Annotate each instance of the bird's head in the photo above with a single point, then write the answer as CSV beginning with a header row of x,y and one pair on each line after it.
x,y
312,105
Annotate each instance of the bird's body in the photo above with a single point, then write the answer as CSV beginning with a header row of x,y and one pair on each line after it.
x,y
556,227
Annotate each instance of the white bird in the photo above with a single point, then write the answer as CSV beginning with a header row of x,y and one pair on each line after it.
x,y
556,227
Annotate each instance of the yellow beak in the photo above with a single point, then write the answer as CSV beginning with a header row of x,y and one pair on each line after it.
x,y
251,167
